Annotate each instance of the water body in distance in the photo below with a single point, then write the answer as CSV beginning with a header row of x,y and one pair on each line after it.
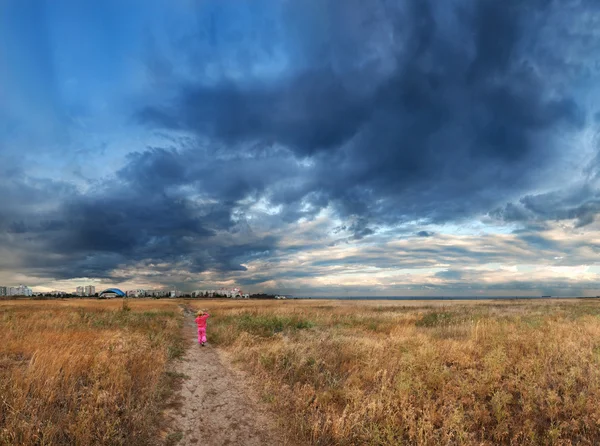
x,y
432,297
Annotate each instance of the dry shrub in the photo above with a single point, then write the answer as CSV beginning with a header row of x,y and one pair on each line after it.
x,y
84,372
348,373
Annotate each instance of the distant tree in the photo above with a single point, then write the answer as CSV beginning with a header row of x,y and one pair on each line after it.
x,y
262,296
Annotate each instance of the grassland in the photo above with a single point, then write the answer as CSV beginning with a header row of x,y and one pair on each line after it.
x,y
83,372
375,373
343,373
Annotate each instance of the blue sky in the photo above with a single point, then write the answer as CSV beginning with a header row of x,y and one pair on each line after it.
x,y
317,147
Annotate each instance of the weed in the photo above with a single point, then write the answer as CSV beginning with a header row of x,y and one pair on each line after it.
x,y
265,325
177,375
176,350
435,319
173,438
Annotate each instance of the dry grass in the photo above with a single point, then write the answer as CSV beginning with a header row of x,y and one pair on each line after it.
x,y
377,373
85,372
93,372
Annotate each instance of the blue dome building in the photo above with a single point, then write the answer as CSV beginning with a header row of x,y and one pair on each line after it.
x,y
111,292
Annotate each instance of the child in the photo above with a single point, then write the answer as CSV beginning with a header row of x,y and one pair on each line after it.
x,y
201,323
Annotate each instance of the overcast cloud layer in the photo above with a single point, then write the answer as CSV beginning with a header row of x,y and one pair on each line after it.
x,y
313,147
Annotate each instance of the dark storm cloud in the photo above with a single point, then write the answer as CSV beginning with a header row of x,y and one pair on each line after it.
x,y
140,215
449,132
580,204
303,113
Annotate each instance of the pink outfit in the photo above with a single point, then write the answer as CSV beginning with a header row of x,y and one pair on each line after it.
x,y
201,335
201,323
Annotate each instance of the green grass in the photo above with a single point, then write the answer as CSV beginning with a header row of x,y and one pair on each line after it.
x,y
435,319
255,324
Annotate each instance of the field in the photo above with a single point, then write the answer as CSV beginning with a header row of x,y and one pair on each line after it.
x,y
336,372
376,373
85,372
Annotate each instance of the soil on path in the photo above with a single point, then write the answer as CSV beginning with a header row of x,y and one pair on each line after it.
x,y
215,406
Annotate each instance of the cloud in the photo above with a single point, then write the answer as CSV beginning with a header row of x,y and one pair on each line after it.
x,y
580,204
143,213
448,127
449,274
278,156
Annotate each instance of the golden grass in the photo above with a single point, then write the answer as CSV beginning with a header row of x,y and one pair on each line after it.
x,y
376,373
85,372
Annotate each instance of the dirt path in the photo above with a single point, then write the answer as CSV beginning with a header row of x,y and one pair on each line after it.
x,y
215,406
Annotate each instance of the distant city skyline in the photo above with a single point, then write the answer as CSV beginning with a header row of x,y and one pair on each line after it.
x,y
20,290
90,291
317,147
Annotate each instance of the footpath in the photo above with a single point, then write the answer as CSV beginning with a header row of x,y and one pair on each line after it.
x,y
215,406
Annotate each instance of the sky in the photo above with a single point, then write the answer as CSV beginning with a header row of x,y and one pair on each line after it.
x,y
307,147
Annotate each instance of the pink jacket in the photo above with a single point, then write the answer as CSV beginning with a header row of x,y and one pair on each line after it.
x,y
201,320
